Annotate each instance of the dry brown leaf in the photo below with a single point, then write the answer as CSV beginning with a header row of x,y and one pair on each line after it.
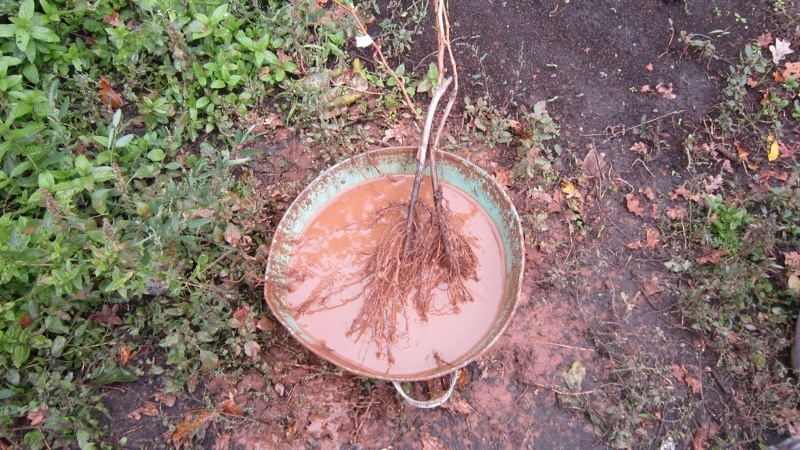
x,y
202,213
112,19
711,256
649,67
188,427
751,82
711,184
37,417
726,166
230,407
148,409
635,245
765,39
252,349
109,96
503,177
266,324
25,320
166,399
678,371
676,213
124,355
594,163
640,148
681,191
700,440
632,202
645,89
792,69
232,235
107,316
665,91
652,286
792,259
653,237
240,316
457,404
694,384
741,152
647,192
788,152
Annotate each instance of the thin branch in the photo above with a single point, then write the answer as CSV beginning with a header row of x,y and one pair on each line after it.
x,y
377,48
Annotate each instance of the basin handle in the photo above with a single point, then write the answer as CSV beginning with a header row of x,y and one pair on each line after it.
x,y
429,403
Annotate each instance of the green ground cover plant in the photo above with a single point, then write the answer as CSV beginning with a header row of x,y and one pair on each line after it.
x,y
116,131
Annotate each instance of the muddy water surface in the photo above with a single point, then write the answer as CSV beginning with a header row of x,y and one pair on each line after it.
x,y
332,251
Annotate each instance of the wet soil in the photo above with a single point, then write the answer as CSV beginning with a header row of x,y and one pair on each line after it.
x,y
594,295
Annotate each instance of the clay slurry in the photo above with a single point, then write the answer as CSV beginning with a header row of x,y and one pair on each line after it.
x,y
333,249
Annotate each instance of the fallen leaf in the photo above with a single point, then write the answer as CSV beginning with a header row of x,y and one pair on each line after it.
x,y
792,259
792,69
148,409
665,91
124,355
711,184
700,440
594,163
751,82
279,389
232,235
166,399
457,404
788,152
652,286
107,316
645,89
190,426
774,147
712,256
681,191
25,320
635,245
573,378
765,39
251,349
112,19
793,282
780,50
678,371
640,148
647,192
653,237
569,189
265,324
202,213
632,202
694,384
676,213
649,67
503,177
230,407
726,166
109,96
239,318
740,151
37,417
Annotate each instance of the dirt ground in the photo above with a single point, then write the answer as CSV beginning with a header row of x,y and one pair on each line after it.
x,y
589,296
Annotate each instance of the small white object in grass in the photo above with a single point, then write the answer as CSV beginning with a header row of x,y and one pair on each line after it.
x,y
363,41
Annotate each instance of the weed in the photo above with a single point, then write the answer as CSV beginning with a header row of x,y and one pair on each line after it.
x,y
739,300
